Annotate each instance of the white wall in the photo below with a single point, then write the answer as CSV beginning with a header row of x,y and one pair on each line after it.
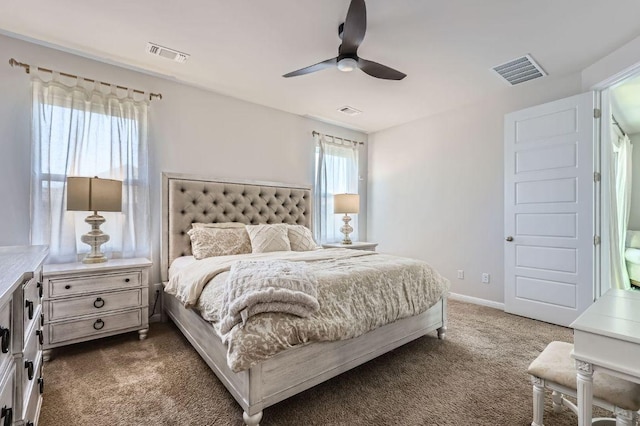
x,y
614,65
634,218
436,186
190,131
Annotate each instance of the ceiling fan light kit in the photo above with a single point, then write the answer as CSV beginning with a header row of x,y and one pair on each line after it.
x,y
352,33
347,64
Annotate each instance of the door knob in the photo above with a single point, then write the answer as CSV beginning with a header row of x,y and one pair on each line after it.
x,y
509,238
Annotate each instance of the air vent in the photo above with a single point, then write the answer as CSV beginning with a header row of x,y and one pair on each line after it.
x,y
520,70
167,53
349,110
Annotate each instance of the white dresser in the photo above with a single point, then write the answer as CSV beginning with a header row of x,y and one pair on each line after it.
x,y
89,301
21,382
356,245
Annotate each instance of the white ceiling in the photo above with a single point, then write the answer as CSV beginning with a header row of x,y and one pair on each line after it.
x,y
241,48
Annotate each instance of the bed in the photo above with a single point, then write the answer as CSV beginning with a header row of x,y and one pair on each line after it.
x,y
190,199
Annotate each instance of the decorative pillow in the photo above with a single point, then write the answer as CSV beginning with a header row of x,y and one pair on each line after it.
x,y
301,238
268,238
209,242
224,225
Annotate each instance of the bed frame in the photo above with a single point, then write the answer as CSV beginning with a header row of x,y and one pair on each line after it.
x,y
187,199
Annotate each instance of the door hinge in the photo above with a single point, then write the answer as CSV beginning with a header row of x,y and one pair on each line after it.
x,y
596,240
597,113
596,176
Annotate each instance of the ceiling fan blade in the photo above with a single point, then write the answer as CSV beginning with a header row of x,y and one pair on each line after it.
x,y
355,26
313,68
377,70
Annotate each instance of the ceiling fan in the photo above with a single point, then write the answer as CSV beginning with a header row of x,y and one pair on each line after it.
x,y
352,33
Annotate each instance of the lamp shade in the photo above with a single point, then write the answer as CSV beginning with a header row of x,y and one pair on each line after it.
x,y
94,194
346,203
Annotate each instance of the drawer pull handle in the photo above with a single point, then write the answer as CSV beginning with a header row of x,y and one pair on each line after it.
x,y
41,385
99,324
29,305
67,287
29,366
6,414
98,303
5,334
40,335
30,424
126,280
39,285
41,320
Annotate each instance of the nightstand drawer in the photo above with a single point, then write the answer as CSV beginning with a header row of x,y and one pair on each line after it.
x,y
95,304
70,330
61,287
5,334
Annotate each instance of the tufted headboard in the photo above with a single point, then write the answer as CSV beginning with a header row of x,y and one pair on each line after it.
x,y
188,199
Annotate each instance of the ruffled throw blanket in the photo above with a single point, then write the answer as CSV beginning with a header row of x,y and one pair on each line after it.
x,y
255,287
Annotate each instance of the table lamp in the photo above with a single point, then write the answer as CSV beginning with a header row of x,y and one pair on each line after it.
x,y
94,194
346,203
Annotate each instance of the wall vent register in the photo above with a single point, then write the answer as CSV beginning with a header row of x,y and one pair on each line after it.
x,y
167,53
520,70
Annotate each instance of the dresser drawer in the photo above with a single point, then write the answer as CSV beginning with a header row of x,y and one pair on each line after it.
x,y
32,300
33,400
30,361
94,326
95,304
7,392
61,287
6,338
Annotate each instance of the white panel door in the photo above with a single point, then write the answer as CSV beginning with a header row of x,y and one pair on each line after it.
x,y
549,205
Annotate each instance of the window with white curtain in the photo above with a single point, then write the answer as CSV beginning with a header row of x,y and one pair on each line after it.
x,y
336,172
83,131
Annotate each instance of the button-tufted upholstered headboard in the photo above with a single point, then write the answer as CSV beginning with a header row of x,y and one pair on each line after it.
x,y
188,199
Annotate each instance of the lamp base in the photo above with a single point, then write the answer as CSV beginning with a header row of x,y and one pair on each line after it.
x,y
95,238
346,230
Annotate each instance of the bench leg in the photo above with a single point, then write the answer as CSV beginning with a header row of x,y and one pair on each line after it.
x,y
557,401
538,401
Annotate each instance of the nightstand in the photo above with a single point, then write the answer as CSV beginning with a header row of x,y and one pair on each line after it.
x,y
356,245
89,301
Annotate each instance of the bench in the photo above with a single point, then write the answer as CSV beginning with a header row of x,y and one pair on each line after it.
x,y
554,369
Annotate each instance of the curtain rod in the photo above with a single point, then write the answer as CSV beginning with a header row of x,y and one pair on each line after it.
x,y
314,133
27,69
615,123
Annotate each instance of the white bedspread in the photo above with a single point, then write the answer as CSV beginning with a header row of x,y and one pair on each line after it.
x,y
358,291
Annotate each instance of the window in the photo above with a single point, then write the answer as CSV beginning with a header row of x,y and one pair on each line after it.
x,y
336,172
80,132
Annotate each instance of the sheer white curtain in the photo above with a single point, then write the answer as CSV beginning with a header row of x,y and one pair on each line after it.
x,y
620,188
85,131
336,172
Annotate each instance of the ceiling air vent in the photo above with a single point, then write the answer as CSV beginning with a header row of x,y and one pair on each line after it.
x,y
349,110
520,70
167,53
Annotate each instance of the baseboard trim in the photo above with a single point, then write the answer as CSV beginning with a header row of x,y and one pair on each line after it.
x,y
476,301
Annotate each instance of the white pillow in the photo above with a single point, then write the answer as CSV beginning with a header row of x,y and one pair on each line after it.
x,y
268,238
301,238
209,242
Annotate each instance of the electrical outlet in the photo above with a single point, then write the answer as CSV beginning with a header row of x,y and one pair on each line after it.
x,y
460,274
485,278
